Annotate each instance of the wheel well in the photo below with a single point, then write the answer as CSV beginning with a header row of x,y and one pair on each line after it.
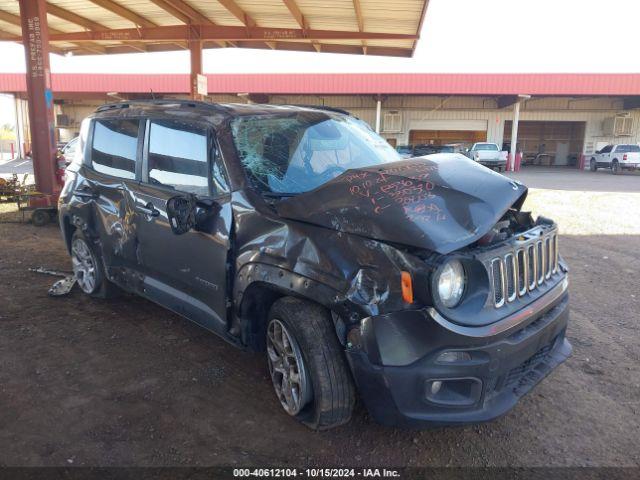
x,y
69,229
254,310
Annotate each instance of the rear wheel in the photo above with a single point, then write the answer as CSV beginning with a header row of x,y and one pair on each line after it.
x,y
88,267
307,364
615,167
593,166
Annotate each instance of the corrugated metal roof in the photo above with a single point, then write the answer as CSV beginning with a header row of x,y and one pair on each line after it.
x,y
291,24
343,84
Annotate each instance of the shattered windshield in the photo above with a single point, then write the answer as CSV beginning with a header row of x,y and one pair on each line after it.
x,y
295,153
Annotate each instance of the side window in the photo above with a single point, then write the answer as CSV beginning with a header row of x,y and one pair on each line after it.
x,y
178,156
114,147
606,149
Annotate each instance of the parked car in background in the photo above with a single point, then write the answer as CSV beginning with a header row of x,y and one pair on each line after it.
x,y
405,151
430,149
68,151
622,156
452,148
489,155
301,233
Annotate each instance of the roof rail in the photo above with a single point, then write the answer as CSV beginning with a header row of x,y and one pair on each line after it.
x,y
163,101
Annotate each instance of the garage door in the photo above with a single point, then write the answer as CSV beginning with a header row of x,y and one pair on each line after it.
x,y
440,132
442,137
548,143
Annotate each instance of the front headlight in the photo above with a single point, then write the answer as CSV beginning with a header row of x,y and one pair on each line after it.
x,y
451,282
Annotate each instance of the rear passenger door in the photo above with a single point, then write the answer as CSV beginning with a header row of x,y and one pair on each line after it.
x,y
108,189
186,273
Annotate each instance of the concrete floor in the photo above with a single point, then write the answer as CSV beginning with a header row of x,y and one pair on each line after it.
x,y
560,178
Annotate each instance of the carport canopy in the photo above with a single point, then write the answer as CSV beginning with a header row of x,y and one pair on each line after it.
x,y
373,27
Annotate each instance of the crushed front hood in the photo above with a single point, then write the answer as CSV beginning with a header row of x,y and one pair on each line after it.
x,y
440,202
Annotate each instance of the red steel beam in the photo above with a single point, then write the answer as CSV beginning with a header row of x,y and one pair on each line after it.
x,y
195,51
185,13
35,32
219,32
294,9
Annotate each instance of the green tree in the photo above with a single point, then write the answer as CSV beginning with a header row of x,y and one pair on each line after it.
x,y
7,132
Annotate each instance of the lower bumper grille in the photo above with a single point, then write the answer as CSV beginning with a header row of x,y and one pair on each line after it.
x,y
515,374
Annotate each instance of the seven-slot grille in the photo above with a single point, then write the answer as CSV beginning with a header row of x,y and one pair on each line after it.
x,y
524,269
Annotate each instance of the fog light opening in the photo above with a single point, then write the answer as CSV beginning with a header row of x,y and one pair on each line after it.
x,y
454,391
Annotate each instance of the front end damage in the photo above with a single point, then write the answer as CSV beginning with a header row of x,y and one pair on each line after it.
x,y
420,363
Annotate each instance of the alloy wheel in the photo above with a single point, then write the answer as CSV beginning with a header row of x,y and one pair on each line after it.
x,y
84,265
287,368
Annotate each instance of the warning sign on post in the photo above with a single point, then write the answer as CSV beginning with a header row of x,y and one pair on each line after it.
x,y
202,87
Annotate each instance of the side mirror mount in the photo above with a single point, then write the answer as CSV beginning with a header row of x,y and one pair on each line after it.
x,y
207,213
181,212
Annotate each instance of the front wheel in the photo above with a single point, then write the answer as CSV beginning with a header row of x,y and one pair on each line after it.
x,y
592,165
307,365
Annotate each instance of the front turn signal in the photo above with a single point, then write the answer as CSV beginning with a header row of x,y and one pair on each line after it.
x,y
407,287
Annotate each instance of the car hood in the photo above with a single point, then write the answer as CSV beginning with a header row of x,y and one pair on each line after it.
x,y
439,202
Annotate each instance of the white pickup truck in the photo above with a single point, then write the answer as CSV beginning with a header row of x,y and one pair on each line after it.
x,y
489,155
623,156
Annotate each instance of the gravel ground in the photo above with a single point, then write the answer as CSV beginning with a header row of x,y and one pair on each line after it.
x,y
124,382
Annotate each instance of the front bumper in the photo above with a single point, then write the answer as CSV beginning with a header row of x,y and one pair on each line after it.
x,y
395,362
493,163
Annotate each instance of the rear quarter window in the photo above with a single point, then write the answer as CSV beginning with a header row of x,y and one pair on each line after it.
x,y
114,147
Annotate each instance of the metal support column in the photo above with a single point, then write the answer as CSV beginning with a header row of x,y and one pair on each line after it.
x,y
378,113
195,51
35,37
514,135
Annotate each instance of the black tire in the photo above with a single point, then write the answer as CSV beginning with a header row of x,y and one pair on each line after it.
x,y
40,217
103,287
615,167
333,396
593,166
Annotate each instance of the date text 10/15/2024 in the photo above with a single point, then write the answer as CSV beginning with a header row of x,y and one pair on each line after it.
x,y
316,472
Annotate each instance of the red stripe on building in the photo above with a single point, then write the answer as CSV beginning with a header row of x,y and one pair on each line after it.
x,y
344,83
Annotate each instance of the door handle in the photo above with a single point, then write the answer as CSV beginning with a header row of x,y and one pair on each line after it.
x,y
86,193
148,210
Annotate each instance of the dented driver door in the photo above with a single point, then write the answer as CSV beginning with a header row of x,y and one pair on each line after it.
x,y
186,272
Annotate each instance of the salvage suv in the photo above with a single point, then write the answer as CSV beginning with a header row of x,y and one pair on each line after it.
x,y
298,231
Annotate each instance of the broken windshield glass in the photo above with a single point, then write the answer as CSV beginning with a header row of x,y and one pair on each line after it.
x,y
295,153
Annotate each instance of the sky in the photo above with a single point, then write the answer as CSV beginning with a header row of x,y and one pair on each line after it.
x,y
475,36
458,36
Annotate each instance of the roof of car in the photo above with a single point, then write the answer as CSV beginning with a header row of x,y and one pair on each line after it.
x,y
197,108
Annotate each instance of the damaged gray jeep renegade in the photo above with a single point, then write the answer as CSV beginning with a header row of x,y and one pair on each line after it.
x,y
420,284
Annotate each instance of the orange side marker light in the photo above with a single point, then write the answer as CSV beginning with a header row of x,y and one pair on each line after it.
x,y
407,287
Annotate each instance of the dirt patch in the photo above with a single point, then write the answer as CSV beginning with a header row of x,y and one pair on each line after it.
x,y
124,382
